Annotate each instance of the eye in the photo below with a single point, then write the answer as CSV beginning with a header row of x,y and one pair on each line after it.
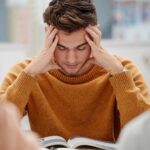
x,y
61,48
81,48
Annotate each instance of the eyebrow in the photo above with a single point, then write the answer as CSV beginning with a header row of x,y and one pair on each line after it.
x,y
75,47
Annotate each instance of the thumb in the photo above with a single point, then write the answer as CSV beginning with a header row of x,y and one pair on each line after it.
x,y
52,66
55,66
91,60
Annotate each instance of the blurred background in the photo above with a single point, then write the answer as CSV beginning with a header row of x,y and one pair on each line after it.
x,y
125,26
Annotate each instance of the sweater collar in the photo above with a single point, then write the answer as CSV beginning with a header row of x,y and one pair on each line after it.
x,y
93,73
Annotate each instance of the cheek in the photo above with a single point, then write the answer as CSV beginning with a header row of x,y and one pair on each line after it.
x,y
58,55
83,57
86,54
55,53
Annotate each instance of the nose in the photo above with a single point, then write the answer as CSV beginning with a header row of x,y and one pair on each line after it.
x,y
71,57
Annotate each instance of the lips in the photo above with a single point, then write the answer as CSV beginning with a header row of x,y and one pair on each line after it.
x,y
70,66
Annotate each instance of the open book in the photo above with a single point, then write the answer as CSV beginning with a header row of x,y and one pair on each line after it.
x,y
76,142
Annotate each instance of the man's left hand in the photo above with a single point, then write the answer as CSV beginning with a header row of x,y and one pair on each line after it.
x,y
100,56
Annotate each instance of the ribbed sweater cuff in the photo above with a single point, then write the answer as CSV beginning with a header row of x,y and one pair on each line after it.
x,y
122,81
24,83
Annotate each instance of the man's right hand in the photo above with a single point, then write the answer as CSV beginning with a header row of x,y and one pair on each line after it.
x,y
45,60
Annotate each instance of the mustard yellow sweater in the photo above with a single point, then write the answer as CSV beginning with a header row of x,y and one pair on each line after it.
x,y
95,105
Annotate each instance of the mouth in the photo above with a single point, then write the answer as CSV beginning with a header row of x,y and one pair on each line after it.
x,y
71,66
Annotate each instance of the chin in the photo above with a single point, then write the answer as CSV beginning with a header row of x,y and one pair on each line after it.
x,y
70,72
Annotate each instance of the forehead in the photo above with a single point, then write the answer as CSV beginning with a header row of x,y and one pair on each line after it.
x,y
73,38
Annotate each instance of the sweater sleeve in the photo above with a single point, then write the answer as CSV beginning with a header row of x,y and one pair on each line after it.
x,y
131,93
17,86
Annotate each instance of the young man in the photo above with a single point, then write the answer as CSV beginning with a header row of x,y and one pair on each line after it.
x,y
74,87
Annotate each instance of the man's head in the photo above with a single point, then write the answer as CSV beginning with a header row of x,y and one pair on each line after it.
x,y
70,15
73,52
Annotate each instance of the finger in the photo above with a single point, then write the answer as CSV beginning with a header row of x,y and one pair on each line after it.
x,y
51,37
91,43
91,55
91,60
50,67
49,30
53,46
87,64
55,66
96,29
95,36
49,42
91,32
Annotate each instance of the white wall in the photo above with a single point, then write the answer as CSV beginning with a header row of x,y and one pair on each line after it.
x,y
10,54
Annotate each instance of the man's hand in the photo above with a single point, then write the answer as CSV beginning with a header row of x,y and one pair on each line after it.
x,y
100,56
45,60
11,136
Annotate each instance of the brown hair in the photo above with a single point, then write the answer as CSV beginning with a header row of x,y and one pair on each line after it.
x,y
70,15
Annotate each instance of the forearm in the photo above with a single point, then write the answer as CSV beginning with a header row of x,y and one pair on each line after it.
x,y
131,100
29,71
11,135
19,91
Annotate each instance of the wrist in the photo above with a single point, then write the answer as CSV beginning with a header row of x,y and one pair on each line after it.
x,y
117,70
29,72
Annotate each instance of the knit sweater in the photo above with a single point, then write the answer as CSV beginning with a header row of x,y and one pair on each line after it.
x,y
95,104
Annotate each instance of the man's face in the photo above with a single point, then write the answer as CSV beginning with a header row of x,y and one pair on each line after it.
x,y
72,52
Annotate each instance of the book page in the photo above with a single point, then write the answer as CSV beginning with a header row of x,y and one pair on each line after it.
x,y
81,141
53,141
